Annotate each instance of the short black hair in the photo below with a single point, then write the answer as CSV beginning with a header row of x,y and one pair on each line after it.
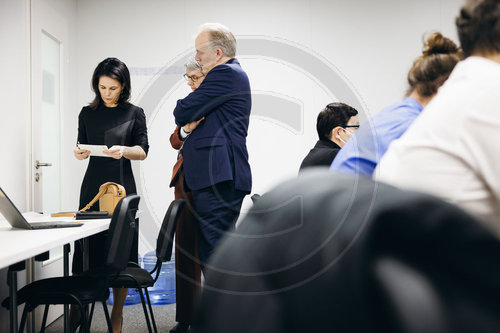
x,y
333,115
478,27
117,70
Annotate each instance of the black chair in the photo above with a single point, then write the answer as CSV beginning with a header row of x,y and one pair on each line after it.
x,y
331,253
81,291
140,279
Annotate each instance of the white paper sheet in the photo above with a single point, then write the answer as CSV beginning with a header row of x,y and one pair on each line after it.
x,y
95,150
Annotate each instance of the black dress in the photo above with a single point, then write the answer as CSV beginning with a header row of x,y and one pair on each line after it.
x,y
124,125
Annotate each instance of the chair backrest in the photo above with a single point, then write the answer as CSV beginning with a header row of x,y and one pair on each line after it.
x,y
326,252
166,236
120,234
255,197
411,300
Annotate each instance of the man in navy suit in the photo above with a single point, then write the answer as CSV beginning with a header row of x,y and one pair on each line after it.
x,y
215,155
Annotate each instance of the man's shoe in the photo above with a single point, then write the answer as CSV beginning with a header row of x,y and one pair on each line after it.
x,y
180,328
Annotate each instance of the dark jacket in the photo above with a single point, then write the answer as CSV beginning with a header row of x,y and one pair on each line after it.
x,y
216,151
333,253
322,154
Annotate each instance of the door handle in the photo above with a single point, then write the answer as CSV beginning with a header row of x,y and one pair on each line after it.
x,y
41,164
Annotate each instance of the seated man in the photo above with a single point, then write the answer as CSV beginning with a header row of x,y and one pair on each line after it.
x,y
335,126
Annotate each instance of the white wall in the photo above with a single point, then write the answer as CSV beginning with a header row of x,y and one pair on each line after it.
x,y
14,87
14,91
368,45
70,182
15,114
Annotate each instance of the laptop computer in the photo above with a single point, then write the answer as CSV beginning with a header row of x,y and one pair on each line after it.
x,y
17,220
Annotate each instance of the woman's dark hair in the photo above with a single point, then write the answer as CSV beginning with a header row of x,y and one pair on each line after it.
x,y
333,115
434,66
478,27
117,70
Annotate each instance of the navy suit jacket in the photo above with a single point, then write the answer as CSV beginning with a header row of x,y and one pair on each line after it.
x,y
216,150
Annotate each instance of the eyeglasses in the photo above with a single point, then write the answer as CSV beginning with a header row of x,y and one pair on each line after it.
x,y
353,126
193,78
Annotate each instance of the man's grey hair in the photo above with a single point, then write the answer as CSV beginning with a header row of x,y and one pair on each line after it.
x,y
193,65
220,38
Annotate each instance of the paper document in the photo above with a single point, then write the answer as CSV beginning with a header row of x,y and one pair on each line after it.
x,y
95,150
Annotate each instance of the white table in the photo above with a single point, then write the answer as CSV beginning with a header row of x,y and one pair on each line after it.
x,y
17,245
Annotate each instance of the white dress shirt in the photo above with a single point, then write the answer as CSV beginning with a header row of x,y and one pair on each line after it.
x,y
451,150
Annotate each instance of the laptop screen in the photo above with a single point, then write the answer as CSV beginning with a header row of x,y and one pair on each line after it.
x,y
11,213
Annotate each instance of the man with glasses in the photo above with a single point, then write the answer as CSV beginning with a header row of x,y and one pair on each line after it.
x,y
216,167
335,125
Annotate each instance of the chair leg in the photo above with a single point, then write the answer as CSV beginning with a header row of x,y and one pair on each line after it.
x,y
23,318
108,319
145,311
91,312
44,320
151,310
85,321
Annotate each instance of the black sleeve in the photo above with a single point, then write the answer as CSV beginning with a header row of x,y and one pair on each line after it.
x,y
140,131
82,131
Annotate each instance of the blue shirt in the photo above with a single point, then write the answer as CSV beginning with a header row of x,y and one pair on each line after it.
x,y
362,152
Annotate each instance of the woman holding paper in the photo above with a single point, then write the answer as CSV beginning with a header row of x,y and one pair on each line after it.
x,y
112,121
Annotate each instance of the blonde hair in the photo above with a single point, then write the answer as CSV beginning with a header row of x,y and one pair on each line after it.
x,y
220,37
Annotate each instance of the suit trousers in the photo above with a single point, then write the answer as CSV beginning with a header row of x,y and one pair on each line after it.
x,y
217,209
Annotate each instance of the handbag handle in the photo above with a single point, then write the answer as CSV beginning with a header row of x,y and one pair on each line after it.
x,y
102,191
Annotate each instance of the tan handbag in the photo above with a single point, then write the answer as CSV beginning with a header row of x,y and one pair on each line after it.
x,y
109,195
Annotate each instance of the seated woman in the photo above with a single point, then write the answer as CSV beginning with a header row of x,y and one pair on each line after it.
x,y
450,150
429,71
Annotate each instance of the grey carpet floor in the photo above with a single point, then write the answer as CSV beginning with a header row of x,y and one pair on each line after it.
x,y
133,319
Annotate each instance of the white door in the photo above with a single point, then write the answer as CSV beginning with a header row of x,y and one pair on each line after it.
x,y
48,38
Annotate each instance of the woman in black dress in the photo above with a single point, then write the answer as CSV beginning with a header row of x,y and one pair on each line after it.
x,y
112,121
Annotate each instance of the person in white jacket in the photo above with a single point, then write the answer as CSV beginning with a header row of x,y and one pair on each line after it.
x,y
451,150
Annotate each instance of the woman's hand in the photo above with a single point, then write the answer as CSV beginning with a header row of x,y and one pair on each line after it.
x,y
116,152
188,128
81,154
